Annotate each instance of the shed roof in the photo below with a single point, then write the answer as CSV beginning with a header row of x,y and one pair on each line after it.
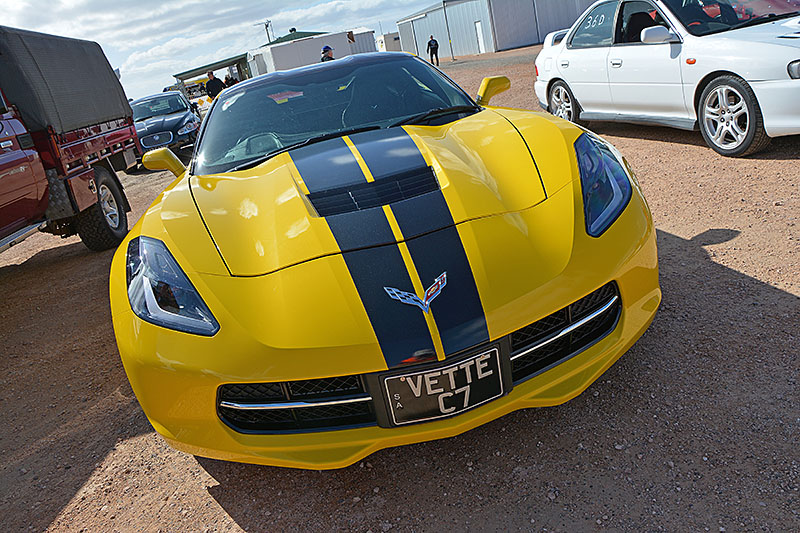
x,y
222,63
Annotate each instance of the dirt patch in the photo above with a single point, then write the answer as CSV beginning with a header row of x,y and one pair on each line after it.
x,y
694,429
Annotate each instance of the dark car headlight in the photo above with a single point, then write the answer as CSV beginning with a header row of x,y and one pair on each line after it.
x,y
605,183
189,127
160,293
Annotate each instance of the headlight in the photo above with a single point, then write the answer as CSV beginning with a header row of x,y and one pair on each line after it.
x,y
159,292
605,183
188,127
794,70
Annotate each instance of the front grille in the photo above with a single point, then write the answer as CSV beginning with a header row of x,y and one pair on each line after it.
x,y
157,139
328,403
565,332
378,193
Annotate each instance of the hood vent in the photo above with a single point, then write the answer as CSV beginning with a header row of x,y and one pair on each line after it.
x,y
378,193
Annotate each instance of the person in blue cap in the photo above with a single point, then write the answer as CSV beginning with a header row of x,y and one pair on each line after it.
x,y
327,53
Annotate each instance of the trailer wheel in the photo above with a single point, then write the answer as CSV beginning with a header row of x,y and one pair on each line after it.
x,y
105,224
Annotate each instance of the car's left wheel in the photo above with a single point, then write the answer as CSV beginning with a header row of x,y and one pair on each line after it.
x,y
562,103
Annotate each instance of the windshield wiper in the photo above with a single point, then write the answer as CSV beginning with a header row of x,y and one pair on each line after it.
x,y
435,113
311,140
767,17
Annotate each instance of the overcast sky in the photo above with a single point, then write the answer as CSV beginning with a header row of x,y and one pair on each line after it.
x,y
149,40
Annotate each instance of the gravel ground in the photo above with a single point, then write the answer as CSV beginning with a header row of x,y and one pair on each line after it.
x,y
696,428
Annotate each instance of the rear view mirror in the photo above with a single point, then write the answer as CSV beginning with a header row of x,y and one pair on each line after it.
x,y
658,35
163,159
492,86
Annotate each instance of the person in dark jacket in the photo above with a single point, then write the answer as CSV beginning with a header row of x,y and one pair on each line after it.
x,y
327,53
433,50
214,86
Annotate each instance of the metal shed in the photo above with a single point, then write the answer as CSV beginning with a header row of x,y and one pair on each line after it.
x,y
478,26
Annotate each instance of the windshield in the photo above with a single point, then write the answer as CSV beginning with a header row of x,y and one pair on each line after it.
x,y
290,107
160,105
702,17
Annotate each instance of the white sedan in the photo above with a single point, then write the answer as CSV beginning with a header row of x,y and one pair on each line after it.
x,y
730,68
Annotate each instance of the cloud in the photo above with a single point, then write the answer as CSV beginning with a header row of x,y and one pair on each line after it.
x,y
149,40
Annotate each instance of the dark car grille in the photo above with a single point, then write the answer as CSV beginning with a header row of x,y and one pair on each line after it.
x,y
378,193
344,402
157,139
565,332
329,403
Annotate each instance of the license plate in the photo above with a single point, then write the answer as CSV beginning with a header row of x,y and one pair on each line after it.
x,y
445,391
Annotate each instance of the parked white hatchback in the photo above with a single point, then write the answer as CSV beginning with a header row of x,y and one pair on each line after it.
x,y
730,68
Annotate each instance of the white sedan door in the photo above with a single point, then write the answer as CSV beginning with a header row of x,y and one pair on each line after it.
x,y
645,79
583,62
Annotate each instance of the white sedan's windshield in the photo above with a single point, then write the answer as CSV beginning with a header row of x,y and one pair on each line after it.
x,y
287,108
702,17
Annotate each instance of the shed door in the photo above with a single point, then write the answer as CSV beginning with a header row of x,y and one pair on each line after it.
x,y
479,31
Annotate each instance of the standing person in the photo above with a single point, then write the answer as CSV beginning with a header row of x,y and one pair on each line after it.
x,y
214,86
227,81
433,50
327,53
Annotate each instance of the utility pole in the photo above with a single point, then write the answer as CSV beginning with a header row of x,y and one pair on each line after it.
x,y
266,24
446,25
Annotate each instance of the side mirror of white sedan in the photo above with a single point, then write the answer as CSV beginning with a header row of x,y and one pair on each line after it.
x,y
658,35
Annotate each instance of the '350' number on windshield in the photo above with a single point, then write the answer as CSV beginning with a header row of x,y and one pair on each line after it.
x,y
597,20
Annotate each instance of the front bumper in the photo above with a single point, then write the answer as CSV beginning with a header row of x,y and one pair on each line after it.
x,y
176,377
780,106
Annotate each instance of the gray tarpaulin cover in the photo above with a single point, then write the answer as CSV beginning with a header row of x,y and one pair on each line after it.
x,y
59,82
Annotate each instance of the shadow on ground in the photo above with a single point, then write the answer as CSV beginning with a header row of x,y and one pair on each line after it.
x,y
692,428
780,149
65,399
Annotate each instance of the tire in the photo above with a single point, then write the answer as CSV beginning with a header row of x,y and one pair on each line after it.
x,y
730,118
562,103
105,224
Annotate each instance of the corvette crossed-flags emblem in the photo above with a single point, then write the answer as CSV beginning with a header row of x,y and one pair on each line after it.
x,y
412,299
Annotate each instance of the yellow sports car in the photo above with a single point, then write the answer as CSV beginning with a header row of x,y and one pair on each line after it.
x,y
360,256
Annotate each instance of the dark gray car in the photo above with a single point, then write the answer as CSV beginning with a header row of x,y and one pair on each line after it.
x,y
165,119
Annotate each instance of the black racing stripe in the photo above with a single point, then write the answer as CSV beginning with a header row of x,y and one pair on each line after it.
x,y
388,152
327,165
457,310
401,329
437,247
423,214
361,229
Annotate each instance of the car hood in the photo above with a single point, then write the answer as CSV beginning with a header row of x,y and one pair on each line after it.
x,y
161,123
366,190
781,32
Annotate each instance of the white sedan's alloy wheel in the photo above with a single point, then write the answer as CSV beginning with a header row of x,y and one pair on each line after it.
x,y
561,103
726,117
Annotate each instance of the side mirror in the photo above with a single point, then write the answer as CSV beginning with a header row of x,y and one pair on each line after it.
x,y
163,159
492,86
195,107
658,35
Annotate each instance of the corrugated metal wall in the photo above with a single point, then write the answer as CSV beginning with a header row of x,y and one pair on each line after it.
x,y
365,42
515,23
461,18
554,15
406,32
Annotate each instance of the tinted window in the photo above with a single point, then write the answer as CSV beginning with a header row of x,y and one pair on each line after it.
x,y
160,105
281,109
597,29
701,17
635,17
